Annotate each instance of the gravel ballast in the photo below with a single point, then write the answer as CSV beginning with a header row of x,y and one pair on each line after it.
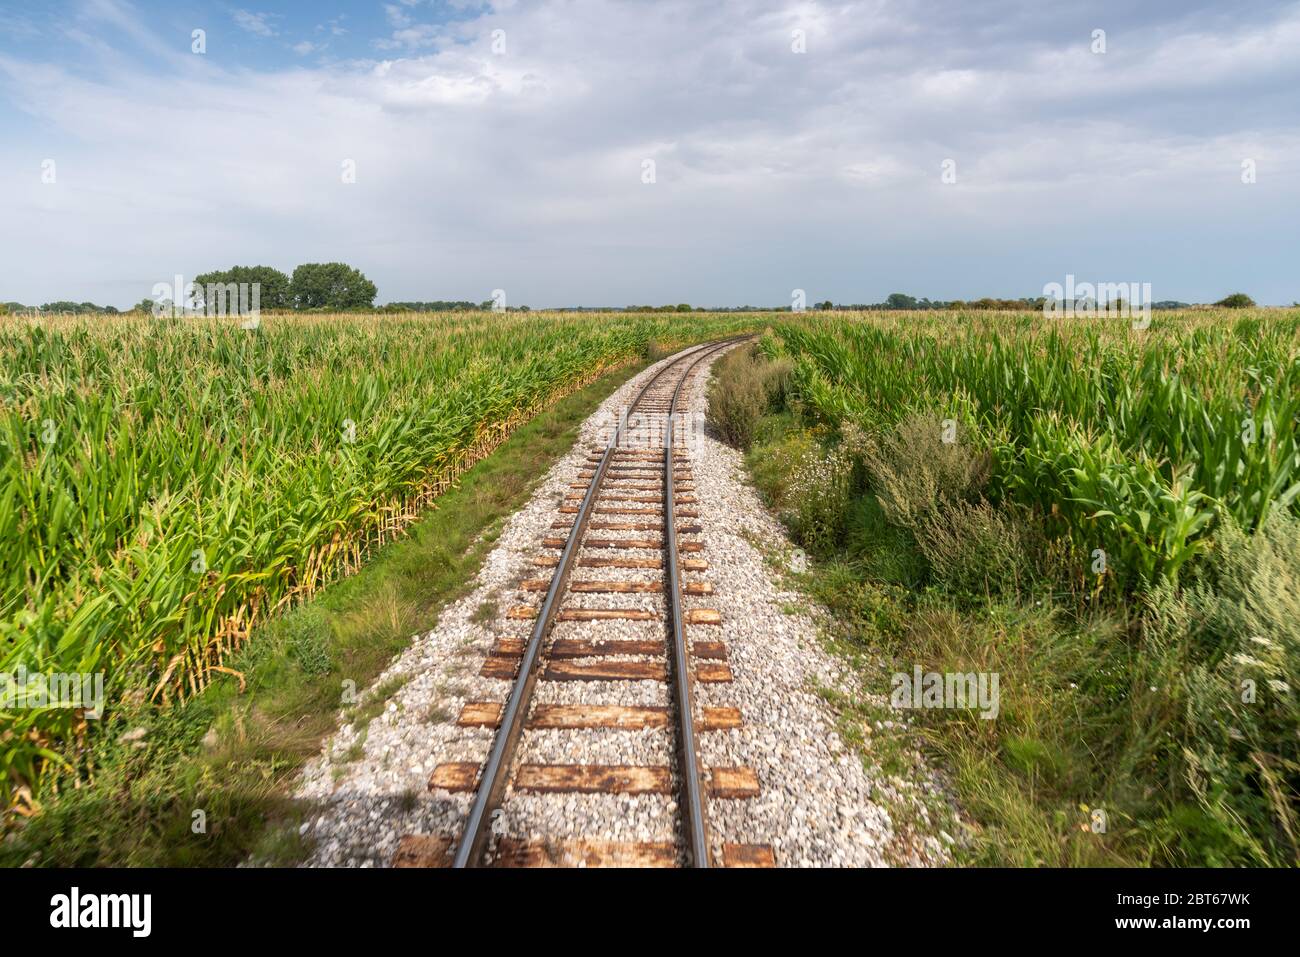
x,y
817,805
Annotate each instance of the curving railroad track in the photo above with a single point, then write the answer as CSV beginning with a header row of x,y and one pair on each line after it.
x,y
620,606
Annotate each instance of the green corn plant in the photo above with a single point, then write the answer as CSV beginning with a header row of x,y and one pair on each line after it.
x,y
1199,415
165,482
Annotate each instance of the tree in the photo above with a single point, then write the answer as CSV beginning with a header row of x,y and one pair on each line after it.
x,y
898,300
1238,300
274,285
439,305
76,308
331,286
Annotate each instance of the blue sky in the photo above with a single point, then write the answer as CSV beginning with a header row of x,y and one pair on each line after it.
x,y
794,146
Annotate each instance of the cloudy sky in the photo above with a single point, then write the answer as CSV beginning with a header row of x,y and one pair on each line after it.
x,y
794,145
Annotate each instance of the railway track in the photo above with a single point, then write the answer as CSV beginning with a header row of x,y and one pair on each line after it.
x,y
620,611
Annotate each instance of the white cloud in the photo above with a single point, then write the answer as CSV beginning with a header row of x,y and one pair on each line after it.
x,y
304,47
774,170
18,27
396,15
412,38
254,23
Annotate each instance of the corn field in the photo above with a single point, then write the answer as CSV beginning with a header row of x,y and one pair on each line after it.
x,y
166,484
1134,442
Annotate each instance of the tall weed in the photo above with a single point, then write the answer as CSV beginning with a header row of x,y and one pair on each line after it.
x,y
745,386
912,469
1241,629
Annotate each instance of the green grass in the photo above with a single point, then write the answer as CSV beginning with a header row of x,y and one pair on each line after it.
x,y
1124,735
1137,442
1016,793
167,483
232,755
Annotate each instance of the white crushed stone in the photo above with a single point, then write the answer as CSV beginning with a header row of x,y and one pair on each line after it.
x,y
817,807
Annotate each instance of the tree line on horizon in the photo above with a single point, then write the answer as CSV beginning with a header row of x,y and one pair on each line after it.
x,y
313,286
338,287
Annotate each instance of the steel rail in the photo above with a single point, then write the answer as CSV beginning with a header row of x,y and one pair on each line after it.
x,y
473,843
688,761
